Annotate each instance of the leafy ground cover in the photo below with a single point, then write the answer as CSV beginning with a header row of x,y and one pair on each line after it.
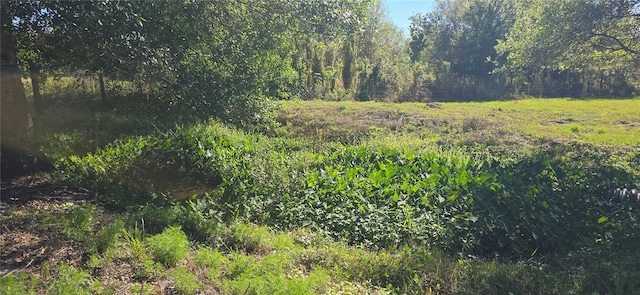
x,y
428,198
122,254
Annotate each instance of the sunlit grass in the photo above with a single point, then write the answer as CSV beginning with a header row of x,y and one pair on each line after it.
x,y
599,121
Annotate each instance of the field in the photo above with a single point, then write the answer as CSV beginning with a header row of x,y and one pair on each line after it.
x,y
598,121
505,197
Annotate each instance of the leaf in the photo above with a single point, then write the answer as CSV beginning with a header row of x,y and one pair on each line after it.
x,y
602,219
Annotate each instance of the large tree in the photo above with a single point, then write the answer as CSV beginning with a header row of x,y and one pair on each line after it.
x,y
590,46
213,58
18,146
457,42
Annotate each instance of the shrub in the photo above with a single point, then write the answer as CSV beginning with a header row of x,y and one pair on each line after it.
x,y
69,280
185,282
18,284
169,247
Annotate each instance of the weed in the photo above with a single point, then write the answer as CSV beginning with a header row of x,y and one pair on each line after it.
x,y
69,280
169,247
185,282
148,269
239,264
110,235
275,274
284,242
142,289
251,238
211,259
575,129
134,243
95,261
20,283
78,223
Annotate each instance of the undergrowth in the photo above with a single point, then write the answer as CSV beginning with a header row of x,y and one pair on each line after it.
x,y
392,213
547,200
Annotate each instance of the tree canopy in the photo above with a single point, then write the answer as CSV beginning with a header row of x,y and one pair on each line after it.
x,y
228,59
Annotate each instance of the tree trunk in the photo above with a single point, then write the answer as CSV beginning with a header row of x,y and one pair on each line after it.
x,y
34,74
103,92
18,147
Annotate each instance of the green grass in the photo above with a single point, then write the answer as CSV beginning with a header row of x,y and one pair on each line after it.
x,y
304,262
598,121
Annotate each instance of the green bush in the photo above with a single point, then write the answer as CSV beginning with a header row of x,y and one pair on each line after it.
x,y
169,247
185,282
18,284
69,280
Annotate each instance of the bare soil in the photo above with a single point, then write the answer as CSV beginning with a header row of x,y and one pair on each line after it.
x,y
25,241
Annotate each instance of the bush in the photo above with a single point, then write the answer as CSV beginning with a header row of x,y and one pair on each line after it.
x,y
169,247
18,284
185,282
72,281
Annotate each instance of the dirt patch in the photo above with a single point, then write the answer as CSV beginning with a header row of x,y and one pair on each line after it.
x,y
25,240
564,121
28,188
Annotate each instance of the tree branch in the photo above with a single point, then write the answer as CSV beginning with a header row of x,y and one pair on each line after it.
x,y
617,41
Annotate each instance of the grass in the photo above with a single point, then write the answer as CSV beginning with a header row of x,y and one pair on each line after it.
x,y
519,122
304,262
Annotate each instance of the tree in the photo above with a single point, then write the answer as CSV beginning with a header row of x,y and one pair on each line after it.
x,y
18,145
457,43
553,41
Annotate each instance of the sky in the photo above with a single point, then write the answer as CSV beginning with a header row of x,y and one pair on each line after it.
x,y
399,11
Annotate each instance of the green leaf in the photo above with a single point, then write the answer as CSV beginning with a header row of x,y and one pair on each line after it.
x,y
602,219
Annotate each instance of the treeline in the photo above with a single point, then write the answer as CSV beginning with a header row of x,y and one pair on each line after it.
x,y
228,58
476,49
220,58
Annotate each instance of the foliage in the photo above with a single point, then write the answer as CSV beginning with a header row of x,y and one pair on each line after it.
x,y
18,284
457,42
69,280
185,282
169,247
594,53
77,222
110,235
312,265
250,239
213,260
380,195
271,275
212,59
